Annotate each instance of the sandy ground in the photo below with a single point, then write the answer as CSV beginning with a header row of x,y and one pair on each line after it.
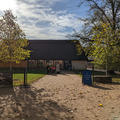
x,y
60,97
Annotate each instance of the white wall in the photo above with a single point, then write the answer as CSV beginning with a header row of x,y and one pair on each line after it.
x,y
79,65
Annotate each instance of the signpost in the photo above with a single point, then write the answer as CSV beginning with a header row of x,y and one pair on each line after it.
x,y
87,77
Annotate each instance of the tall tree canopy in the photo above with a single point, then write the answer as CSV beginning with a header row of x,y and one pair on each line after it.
x,y
13,41
104,49
101,30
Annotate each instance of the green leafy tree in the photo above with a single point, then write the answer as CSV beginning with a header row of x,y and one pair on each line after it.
x,y
104,51
13,42
101,12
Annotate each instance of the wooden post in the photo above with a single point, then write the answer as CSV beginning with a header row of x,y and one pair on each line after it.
x,y
11,73
25,77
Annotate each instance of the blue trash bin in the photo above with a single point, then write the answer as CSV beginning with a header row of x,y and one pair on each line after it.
x,y
87,77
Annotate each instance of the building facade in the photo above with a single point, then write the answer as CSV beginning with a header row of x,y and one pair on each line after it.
x,y
52,52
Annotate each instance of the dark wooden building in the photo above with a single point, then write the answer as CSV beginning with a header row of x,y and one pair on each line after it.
x,y
64,52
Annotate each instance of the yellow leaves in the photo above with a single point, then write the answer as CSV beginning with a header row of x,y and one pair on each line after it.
x,y
100,105
101,41
17,62
13,42
14,52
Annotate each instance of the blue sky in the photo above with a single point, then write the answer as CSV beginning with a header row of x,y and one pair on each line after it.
x,y
47,19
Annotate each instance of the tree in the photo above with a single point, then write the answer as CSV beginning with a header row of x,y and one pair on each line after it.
x,y
13,41
105,11
103,49
101,13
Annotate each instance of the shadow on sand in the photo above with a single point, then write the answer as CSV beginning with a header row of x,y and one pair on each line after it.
x,y
100,87
62,73
21,103
106,86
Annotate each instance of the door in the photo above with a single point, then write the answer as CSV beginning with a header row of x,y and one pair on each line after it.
x,y
67,65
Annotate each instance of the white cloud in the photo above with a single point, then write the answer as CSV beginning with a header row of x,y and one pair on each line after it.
x,y
32,12
5,5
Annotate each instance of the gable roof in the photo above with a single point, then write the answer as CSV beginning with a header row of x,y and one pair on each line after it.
x,y
54,50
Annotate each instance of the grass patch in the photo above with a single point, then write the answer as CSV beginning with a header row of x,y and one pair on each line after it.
x,y
18,78
116,78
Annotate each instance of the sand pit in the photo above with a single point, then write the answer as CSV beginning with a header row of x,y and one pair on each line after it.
x,y
61,97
